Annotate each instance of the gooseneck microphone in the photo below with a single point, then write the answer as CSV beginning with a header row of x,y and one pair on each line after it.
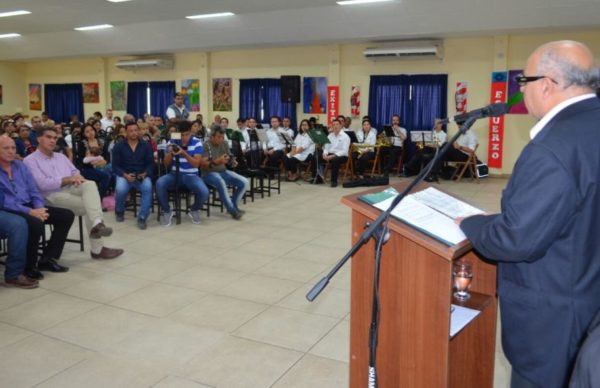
x,y
492,110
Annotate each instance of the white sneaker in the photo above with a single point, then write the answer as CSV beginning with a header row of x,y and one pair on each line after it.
x,y
167,218
195,216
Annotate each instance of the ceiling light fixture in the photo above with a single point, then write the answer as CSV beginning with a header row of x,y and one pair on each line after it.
x,y
211,15
118,1
11,35
98,27
355,2
14,13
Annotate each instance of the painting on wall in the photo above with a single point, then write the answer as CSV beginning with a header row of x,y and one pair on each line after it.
x,y
190,88
35,96
91,93
117,95
515,96
221,89
315,95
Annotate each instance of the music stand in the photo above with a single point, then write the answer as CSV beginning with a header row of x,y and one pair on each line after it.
x,y
319,137
353,137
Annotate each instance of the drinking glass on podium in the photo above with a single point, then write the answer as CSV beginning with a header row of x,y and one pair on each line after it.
x,y
462,272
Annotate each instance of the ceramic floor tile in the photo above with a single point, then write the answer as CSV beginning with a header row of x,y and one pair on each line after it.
x,y
316,254
10,334
218,312
312,371
102,371
235,362
260,289
204,278
336,344
127,258
195,253
178,382
331,302
151,246
240,260
291,269
35,359
271,246
155,268
12,296
287,328
106,287
100,328
158,299
44,312
59,281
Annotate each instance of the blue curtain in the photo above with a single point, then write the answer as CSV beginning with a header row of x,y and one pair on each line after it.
x,y
63,100
161,96
251,98
389,95
137,98
429,100
273,106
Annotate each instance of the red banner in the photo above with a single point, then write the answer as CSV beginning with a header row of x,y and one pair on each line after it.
x,y
496,135
333,103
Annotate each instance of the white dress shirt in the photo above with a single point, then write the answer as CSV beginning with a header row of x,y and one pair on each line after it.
x,y
537,128
274,141
440,137
308,147
397,131
106,122
468,140
337,145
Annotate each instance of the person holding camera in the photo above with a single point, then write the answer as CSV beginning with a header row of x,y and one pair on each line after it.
x,y
187,153
217,159
133,164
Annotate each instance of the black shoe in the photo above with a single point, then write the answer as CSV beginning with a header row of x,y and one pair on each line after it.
x,y
236,215
141,223
34,274
333,184
317,181
242,212
120,217
51,265
429,178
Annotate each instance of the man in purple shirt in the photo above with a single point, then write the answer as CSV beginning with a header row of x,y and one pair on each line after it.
x,y
62,186
22,197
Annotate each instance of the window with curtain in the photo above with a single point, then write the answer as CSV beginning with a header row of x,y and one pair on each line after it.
x,y
137,98
261,98
61,101
161,96
149,97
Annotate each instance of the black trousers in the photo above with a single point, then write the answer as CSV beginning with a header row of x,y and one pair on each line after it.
x,y
291,164
335,164
392,154
61,220
274,158
362,161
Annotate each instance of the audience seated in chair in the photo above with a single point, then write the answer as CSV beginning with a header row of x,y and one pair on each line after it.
x,y
215,173
188,153
21,196
63,186
92,171
133,165
302,151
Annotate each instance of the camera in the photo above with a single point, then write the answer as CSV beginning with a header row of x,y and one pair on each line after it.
x,y
175,147
139,177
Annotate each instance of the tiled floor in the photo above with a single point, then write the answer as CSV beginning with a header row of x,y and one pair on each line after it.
x,y
214,305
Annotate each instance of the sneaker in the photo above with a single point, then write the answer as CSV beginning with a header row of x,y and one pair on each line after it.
x,y
167,218
236,215
195,216
120,217
141,223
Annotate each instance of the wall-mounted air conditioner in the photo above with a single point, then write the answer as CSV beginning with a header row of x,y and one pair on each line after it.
x,y
406,50
145,63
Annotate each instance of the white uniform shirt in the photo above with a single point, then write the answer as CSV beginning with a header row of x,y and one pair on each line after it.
x,y
337,145
246,143
289,131
274,141
468,140
440,137
370,139
397,131
106,122
304,141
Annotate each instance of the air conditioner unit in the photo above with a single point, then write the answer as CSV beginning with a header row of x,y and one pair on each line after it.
x,y
145,63
406,50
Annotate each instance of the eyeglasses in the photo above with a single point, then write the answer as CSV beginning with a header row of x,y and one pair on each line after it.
x,y
523,80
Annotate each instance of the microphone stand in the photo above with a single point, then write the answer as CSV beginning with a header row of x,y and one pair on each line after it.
x,y
379,231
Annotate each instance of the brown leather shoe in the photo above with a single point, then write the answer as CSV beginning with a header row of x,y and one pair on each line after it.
x,y
107,253
21,281
100,230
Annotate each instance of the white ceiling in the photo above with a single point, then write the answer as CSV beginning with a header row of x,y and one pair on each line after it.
x,y
159,26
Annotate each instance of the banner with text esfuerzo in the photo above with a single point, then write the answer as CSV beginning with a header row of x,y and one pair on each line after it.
x,y
496,135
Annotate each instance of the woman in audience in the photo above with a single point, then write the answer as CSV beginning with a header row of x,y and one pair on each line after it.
x,y
23,143
302,151
61,145
93,171
364,153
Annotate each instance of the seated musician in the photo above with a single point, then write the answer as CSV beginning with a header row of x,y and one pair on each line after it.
x,y
335,152
395,151
424,155
362,153
302,150
274,148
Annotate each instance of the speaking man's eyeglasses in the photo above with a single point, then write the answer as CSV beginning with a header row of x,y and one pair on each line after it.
x,y
523,80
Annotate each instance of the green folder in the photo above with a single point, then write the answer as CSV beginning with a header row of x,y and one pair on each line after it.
x,y
236,135
381,196
318,136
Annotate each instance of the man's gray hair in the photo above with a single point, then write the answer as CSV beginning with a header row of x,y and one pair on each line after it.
x,y
570,72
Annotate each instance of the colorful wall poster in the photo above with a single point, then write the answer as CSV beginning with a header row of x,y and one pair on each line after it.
x,y
117,95
191,94
461,96
35,96
221,94
515,97
91,93
333,103
315,95
496,133
355,102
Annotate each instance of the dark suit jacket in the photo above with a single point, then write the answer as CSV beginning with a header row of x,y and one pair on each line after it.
x,y
547,244
587,372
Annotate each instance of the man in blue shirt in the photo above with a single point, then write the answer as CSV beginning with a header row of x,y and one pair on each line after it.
x,y
133,163
188,154
14,228
22,197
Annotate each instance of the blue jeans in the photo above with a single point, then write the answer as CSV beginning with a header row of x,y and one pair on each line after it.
x,y
15,229
220,181
192,182
123,187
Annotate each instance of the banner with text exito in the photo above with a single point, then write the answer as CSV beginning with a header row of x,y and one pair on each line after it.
x,y
333,103
496,135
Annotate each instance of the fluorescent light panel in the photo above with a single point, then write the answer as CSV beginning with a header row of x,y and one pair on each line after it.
x,y
211,15
354,2
90,28
14,13
118,1
11,35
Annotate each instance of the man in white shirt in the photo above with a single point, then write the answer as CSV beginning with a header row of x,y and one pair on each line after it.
x,y
287,123
107,121
177,111
395,150
335,152
274,149
463,147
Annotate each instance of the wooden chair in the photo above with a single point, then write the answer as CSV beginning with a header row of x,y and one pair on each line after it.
x,y
470,163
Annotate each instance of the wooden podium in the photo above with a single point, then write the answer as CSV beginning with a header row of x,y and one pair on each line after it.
x,y
414,348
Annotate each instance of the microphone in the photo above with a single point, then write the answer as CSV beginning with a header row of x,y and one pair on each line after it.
x,y
492,110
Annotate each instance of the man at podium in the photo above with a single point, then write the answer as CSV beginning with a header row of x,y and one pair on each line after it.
x,y
545,238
